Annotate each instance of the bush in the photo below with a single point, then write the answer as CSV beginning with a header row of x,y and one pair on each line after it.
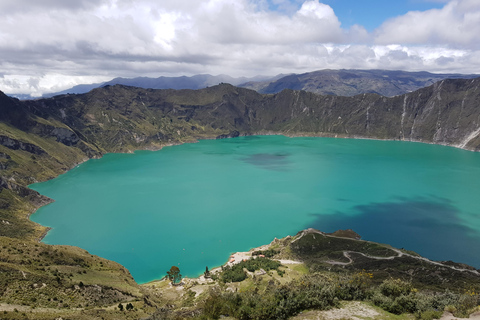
x,y
442,301
406,303
428,315
450,309
269,253
355,287
259,263
276,302
398,296
395,287
233,274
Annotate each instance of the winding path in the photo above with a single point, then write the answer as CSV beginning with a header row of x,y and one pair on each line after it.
x,y
346,254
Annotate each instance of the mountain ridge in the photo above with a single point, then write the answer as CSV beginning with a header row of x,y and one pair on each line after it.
x,y
198,81
342,82
350,82
40,139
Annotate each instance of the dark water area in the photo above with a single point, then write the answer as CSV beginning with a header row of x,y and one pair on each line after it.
x,y
410,223
194,204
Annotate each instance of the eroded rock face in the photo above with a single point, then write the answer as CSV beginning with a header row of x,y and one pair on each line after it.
x,y
19,145
4,156
232,134
65,136
116,116
61,134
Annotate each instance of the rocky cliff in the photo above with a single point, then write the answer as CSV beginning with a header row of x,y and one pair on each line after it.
x,y
40,139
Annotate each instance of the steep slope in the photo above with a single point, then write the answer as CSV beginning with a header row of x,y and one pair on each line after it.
x,y
40,139
353,82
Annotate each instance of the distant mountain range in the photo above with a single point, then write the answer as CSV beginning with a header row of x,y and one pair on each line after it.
x,y
199,81
326,82
352,82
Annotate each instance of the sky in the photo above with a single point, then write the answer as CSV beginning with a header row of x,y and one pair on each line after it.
x,y
51,45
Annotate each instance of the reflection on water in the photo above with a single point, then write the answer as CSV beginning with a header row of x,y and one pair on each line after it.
x,y
430,226
276,161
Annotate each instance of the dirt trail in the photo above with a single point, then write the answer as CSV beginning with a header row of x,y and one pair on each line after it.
x,y
399,254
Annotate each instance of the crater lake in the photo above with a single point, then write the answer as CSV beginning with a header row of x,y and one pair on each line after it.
x,y
192,205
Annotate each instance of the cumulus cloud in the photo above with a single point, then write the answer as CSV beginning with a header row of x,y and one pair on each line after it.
x,y
51,45
9,7
455,25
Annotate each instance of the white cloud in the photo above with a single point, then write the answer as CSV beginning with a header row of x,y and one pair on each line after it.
x,y
54,44
455,25
37,85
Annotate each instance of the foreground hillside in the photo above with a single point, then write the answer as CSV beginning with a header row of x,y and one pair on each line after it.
x,y
317,271
312,271
41,139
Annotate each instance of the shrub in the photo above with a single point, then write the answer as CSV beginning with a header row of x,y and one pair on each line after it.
x,y
450,309
355,287
395,287
267,253
233,274
428,315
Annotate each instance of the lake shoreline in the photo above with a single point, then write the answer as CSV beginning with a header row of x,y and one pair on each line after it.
x,y
157,148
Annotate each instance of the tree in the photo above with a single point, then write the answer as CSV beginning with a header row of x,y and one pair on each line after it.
x,y
206,273
120,306
174,275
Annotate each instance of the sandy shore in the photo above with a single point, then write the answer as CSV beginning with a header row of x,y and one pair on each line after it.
x,y
234,259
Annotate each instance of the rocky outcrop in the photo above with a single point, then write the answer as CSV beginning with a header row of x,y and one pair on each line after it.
x,y
4,164
3,184
232,134
65,136
4,156
19,145
23,191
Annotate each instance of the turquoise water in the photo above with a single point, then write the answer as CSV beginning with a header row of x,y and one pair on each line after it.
x,y
192,205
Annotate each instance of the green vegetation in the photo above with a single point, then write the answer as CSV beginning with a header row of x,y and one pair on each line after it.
x,y
174,275
60,276
398,287
236,273
47,282
324,291
269,253
321,253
